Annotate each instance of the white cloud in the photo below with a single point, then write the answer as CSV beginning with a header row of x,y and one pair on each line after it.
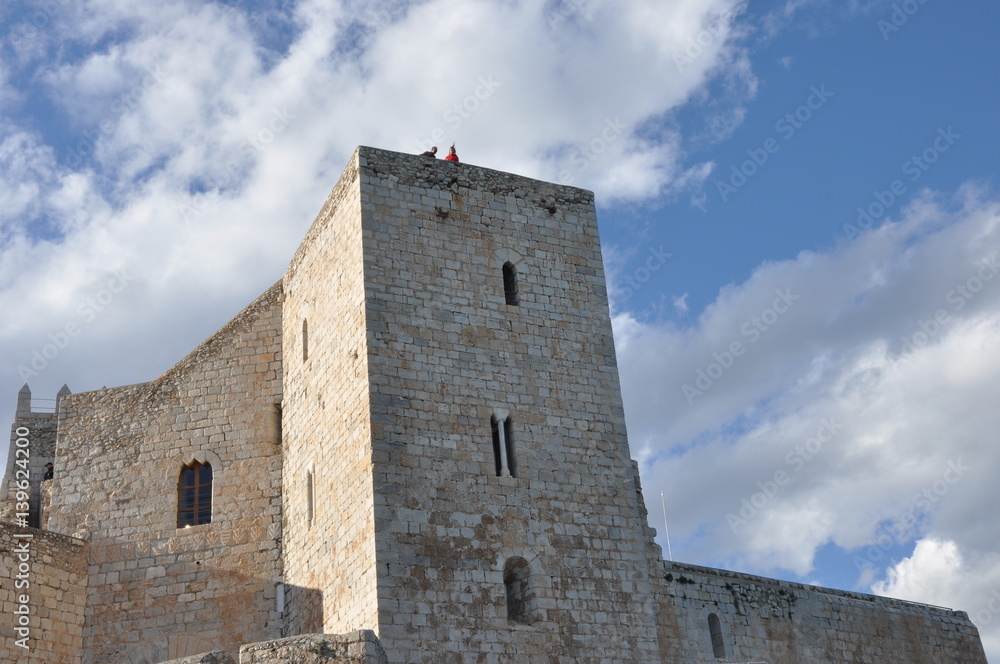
x,y
192,143
845,397
937,573
680,303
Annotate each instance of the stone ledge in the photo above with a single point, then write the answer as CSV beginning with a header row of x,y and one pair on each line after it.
x,y
361,647
214,657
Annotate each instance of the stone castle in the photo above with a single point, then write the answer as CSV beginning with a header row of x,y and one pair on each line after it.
x,y
410,449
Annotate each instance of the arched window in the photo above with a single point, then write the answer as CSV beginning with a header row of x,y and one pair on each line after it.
x,y
517,587
305,340
194,495
510,283
503,445
715,630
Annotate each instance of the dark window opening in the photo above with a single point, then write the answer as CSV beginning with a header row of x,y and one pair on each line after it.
x,y
510,284
310,497
715,630
194,495
515,581
277,423
305,340
494,426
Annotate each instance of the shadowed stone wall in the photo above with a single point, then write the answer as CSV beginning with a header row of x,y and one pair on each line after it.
x,y
43,580
157,591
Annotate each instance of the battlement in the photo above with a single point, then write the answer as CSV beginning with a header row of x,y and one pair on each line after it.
x,y
32,447
748,616
38,408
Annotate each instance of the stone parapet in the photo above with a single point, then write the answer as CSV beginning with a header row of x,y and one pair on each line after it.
x,y
361,647
214,657
712,615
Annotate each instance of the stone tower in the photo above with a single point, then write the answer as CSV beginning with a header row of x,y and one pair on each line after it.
x,y
456,469
30,462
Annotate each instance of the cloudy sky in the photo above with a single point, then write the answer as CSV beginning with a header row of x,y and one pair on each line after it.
x,y
798,207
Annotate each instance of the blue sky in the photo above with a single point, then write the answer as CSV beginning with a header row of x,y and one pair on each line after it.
x,y
159,165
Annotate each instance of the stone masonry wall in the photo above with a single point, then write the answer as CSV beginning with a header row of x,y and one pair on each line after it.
x,y
446,354
360,647
777,622
330,546
157,592
28,460
46,573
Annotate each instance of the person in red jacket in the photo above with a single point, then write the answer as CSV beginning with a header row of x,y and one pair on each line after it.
x,y
452,156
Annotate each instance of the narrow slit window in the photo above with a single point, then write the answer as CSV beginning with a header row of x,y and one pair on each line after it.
x,y
517,589
194,495
715,630
310,497
510,284
508,439
503,447
305,340
276,414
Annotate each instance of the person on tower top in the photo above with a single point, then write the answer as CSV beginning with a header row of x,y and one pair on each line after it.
x,y
452,155
432,153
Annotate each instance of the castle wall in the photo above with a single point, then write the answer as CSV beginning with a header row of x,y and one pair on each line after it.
x,y
329,546
157,591
347,416
27,461
777,622
446,354
43,580
359,647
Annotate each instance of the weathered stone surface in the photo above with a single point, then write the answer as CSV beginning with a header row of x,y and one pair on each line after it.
x,y
214,657
27,461
156,591
360,647
45,574
349,414
789,623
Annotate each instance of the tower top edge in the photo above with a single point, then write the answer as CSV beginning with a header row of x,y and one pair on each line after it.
x,y
434,173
